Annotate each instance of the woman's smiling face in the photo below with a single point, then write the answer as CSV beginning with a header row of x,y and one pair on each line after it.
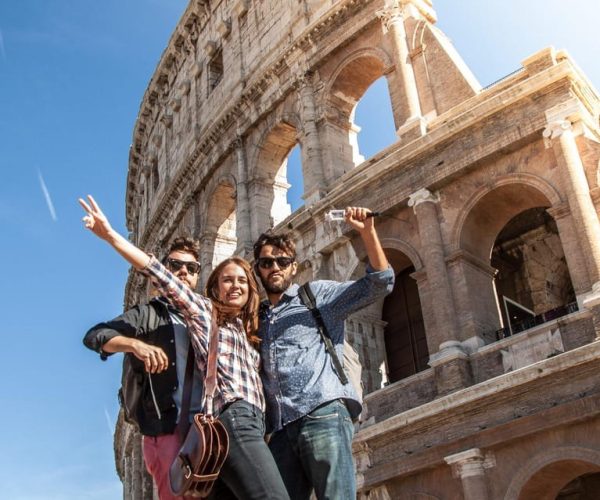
x,y
233,286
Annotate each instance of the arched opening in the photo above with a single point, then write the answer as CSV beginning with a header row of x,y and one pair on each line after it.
x,y
584,487
295,178
219,239
533,283
155,175
501,229
374,330
374,118
553,472
563,480
349,87
269,187
404,334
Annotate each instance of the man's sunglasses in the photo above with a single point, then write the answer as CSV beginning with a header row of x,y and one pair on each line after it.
x,y
175,265
267,262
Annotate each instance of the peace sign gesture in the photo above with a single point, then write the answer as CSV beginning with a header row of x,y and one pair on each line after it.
x,y
97,223
95,220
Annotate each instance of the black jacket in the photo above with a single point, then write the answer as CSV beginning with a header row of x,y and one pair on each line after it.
x,y
157,413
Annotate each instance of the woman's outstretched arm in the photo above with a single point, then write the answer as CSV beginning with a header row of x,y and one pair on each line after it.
x,y
168,284
97,223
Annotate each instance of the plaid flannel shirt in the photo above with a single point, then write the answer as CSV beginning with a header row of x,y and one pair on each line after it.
x,y
238,362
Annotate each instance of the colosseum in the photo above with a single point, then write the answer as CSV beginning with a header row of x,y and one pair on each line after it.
x,y
481,369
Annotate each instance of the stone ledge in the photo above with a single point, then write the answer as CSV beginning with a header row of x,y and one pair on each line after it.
x,y
489,389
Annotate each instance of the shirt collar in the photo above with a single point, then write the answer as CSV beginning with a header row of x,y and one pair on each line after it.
x,y
292,290
289,293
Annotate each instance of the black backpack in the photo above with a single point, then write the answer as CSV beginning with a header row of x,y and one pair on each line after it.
x,y
133,375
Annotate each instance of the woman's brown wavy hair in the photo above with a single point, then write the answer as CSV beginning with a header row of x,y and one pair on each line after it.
x,y
249,313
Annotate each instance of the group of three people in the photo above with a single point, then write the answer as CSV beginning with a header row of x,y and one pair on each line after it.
x,y
274,375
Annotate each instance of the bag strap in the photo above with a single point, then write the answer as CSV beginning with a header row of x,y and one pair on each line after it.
x,y
184,415
210,381
308,299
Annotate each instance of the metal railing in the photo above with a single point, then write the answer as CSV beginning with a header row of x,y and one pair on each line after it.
x,y
540,319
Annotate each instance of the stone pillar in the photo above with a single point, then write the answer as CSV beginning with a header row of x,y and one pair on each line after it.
x,y
393,24
470,467
139,469
576,186
244,222
312,159
167,121
592,302
450,363
569,240
432,251
207,254
365,332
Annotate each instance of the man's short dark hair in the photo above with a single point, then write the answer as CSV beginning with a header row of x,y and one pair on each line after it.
x,y
185,244
284,242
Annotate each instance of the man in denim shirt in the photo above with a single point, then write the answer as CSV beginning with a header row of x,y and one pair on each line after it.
x,y
309,411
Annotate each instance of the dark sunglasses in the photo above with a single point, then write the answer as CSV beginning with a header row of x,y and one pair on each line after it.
x,y
175,265
267,262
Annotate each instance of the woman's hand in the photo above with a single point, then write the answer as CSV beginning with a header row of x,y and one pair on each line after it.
x,y
97,223
95,220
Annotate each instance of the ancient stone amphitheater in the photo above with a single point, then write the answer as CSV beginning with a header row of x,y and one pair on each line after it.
x,y
481,368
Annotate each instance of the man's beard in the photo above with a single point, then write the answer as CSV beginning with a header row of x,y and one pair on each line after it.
x,y
273,288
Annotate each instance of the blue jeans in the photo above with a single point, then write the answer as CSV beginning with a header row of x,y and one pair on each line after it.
x,y
315,452
249,472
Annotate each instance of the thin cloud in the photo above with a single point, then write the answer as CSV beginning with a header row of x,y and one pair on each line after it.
x,y
47,196
2,51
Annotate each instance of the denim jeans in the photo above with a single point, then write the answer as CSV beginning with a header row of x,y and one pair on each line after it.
x,y
249,472
315,452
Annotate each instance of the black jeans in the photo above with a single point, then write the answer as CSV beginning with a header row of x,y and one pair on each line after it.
x,y
249,471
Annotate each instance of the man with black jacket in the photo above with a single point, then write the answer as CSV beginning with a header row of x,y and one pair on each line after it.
x,y
154,337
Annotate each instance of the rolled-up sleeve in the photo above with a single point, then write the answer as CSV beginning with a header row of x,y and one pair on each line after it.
x,y
123,325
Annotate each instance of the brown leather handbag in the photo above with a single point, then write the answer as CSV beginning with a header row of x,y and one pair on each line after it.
x,y
206,444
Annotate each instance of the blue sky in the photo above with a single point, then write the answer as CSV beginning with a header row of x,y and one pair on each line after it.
x,y
72,75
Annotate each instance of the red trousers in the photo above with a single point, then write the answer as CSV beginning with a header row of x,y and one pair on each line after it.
x,y
159,453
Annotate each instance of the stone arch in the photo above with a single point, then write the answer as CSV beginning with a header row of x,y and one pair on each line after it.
x,y
354,269
418,35
369,53
545,474
268,182
495,247
219,239
540,189
348,83
268,130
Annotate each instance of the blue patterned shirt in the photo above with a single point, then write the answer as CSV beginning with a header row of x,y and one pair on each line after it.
x,y
298,374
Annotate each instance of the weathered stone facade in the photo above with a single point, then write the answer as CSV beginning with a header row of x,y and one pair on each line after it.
x,y
481,368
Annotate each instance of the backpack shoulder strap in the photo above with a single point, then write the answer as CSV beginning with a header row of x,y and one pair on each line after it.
x,y
308,299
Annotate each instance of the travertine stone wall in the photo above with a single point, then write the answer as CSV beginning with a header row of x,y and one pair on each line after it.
x,y
242,82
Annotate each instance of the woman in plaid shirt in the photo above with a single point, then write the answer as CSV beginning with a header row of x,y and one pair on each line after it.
x,y
249,471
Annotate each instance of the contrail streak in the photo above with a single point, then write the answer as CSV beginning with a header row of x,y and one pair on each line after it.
x,y
47,196
111,426
2,51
